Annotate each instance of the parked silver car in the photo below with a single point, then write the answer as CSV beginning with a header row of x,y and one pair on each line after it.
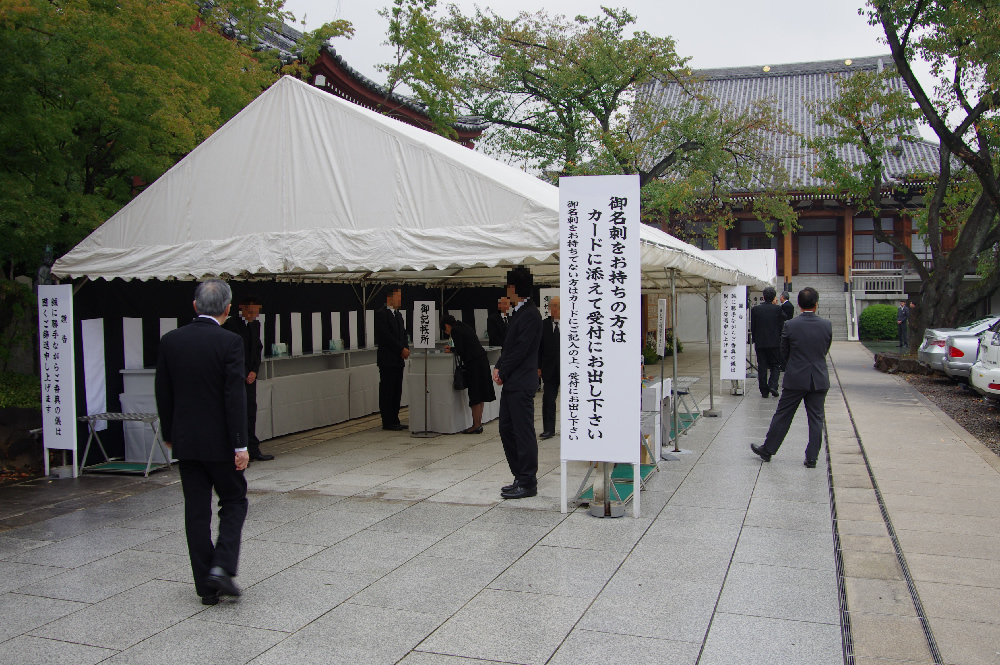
x,y
932,351
961,351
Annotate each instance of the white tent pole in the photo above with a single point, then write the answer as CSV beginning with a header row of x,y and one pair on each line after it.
x,y
711,413
673,381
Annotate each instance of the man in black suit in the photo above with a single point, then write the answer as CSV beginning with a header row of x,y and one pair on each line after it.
x,y
517,372
787,308
805,342
902,323
497,323
201,400
548,368
766,320
246,325
393,350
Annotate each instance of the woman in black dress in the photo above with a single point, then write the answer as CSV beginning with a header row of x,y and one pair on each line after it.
x,y
478,379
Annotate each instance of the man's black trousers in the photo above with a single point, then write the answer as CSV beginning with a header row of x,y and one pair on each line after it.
x,y
198,479
390,392
788,403
904,333
768,369
517,432
253,443
550,393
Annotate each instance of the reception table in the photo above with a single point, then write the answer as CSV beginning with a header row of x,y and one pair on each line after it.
x,y
448,409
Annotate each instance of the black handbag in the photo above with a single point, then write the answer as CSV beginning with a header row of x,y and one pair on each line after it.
x,y
458,383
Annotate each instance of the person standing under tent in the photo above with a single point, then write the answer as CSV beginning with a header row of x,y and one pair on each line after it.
x,y
477,368
517,372
548,368
497,323
393,350
246,325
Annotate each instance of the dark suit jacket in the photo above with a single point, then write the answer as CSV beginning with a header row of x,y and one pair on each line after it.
x,y
766,320
201,392
250,334
390,337
902,314
518,363
496,329
805,342
788,309
467,344
548,352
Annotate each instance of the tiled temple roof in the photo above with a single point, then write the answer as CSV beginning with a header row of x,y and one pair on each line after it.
x,y
792,87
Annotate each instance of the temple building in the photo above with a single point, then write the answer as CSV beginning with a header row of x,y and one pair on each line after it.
x,y
834,245
331,73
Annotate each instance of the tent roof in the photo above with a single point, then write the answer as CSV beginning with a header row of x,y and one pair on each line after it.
x,y
301,184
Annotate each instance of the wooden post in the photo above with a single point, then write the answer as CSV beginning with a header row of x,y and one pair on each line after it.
x,y
722,236
848,245
788,258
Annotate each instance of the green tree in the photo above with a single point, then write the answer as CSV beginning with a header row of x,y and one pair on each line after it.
x,y
566,97
100,96
961,41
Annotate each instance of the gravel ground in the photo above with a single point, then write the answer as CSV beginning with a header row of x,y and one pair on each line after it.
x,y
979,416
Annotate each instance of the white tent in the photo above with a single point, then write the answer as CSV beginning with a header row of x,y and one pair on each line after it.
x,y
301,183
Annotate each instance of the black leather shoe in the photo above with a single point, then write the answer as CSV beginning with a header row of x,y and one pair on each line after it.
x,y
223,581
508,488
478,430
765,395
760,452
546,435
810,465
396,428
520,492
261,457
210,599
774,392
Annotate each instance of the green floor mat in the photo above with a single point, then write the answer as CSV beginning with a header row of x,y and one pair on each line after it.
x,y
623,480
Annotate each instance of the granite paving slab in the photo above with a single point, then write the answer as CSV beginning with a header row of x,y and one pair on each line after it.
x,y
26,650
288,600
507,626
194,640
751,640
354,635
128,618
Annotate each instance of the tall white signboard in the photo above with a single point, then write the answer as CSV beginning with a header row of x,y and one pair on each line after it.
x,y
425,324
733,365
58,370
600,294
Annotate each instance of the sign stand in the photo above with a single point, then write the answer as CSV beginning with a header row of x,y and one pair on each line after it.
x,y
423,314
58,373
599,254
711,412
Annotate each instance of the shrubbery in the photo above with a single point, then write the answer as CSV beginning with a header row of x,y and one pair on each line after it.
x,y
878,322
21,391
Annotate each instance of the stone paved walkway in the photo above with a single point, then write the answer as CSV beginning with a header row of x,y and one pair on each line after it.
x,y
370,547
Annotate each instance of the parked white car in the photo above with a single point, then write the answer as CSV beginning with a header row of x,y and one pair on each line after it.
x,y
932,351
985,373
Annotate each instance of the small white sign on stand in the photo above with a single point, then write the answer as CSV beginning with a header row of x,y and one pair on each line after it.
x,y
733,364
600,292
425,325
661,327
58,370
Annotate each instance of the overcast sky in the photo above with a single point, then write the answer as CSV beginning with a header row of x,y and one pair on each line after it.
x,y
714,33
